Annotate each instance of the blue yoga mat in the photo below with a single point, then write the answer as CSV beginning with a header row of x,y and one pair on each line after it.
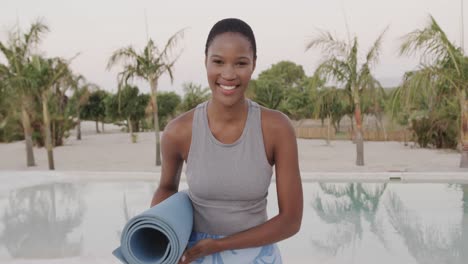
x,y
159,234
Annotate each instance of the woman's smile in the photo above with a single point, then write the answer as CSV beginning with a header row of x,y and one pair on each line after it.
x,y
228,89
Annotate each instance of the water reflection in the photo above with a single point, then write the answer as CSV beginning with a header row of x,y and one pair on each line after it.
x,y
132,197
39,221
346,206
426,224
347,223
126,214
463,243
427,244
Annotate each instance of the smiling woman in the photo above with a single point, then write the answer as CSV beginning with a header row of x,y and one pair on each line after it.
x,y
230,145
230,62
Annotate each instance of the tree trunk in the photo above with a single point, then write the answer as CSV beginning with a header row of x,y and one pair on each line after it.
x,y
130,130
328,129
383,128
48,138
154,88
352,122
97,126
136,128
464,131
27,135
380,126
102,126
58,138
359,138
53,131
353,133
405,136
78,128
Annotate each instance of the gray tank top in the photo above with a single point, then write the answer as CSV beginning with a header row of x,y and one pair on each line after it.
x,y
228,183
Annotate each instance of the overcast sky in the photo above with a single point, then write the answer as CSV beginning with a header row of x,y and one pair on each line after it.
x,y
282,28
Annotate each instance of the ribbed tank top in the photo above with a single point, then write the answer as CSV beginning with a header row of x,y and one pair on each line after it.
x,y
228,183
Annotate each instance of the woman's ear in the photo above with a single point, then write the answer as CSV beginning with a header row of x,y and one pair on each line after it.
x,y
254,64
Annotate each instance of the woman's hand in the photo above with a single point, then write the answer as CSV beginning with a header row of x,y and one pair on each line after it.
x,y
202,248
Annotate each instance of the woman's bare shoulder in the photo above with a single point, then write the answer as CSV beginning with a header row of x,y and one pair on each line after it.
x,y
274,121
276,129
179,130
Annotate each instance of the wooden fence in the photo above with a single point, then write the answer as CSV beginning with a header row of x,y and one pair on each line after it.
x,y
314,132
369,135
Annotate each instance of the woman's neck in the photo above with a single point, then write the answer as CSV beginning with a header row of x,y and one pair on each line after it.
x,y
227,114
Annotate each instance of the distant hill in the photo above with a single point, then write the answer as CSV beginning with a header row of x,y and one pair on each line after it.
x,y
389,81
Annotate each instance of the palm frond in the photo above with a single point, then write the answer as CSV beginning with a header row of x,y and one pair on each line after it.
x,y
122,55
374,52
172,42
34,34
11,54
329,44
418,88
333,69
433,43
352,62
126,74
7,52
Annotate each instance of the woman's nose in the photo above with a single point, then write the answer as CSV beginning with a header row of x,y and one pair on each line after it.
x,y
228,73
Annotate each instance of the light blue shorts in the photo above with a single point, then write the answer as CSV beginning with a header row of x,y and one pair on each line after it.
x,y
268,254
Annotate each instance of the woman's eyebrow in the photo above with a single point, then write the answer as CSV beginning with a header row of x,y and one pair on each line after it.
x,y
243,57
238,58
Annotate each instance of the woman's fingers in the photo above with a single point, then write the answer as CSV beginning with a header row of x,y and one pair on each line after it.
x,y
202,248
193,253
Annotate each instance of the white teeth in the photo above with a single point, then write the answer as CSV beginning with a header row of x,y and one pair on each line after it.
x,y
227,87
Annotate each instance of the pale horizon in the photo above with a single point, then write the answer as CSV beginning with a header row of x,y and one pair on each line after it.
x,y
97,28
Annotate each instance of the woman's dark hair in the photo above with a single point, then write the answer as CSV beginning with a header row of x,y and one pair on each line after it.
x,y
232,25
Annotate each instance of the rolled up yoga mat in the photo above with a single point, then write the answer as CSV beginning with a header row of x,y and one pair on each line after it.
x,y
159,235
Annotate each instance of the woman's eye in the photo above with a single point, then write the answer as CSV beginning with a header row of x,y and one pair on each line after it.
x,y
242,63
217,61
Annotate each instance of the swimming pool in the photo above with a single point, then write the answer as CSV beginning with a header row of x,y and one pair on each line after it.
x,y
78,222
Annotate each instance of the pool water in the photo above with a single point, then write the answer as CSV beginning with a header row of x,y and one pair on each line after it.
x,y
67,222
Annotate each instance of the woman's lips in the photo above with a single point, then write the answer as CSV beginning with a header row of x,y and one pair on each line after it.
x,y
228,89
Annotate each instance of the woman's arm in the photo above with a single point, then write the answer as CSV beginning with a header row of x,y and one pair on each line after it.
x,y
290,200
172,162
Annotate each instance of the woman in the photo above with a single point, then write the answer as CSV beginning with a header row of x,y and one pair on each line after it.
x,y
230,145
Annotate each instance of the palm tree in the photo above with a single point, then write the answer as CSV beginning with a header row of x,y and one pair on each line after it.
x,y
17,54
331,105
94,108
5,105
268,92
149,65
341,65
45,74
128,105
373,104
81,91
194,94
443,66
80,96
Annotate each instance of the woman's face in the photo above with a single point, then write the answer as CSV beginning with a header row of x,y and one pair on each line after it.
x,y
229,66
